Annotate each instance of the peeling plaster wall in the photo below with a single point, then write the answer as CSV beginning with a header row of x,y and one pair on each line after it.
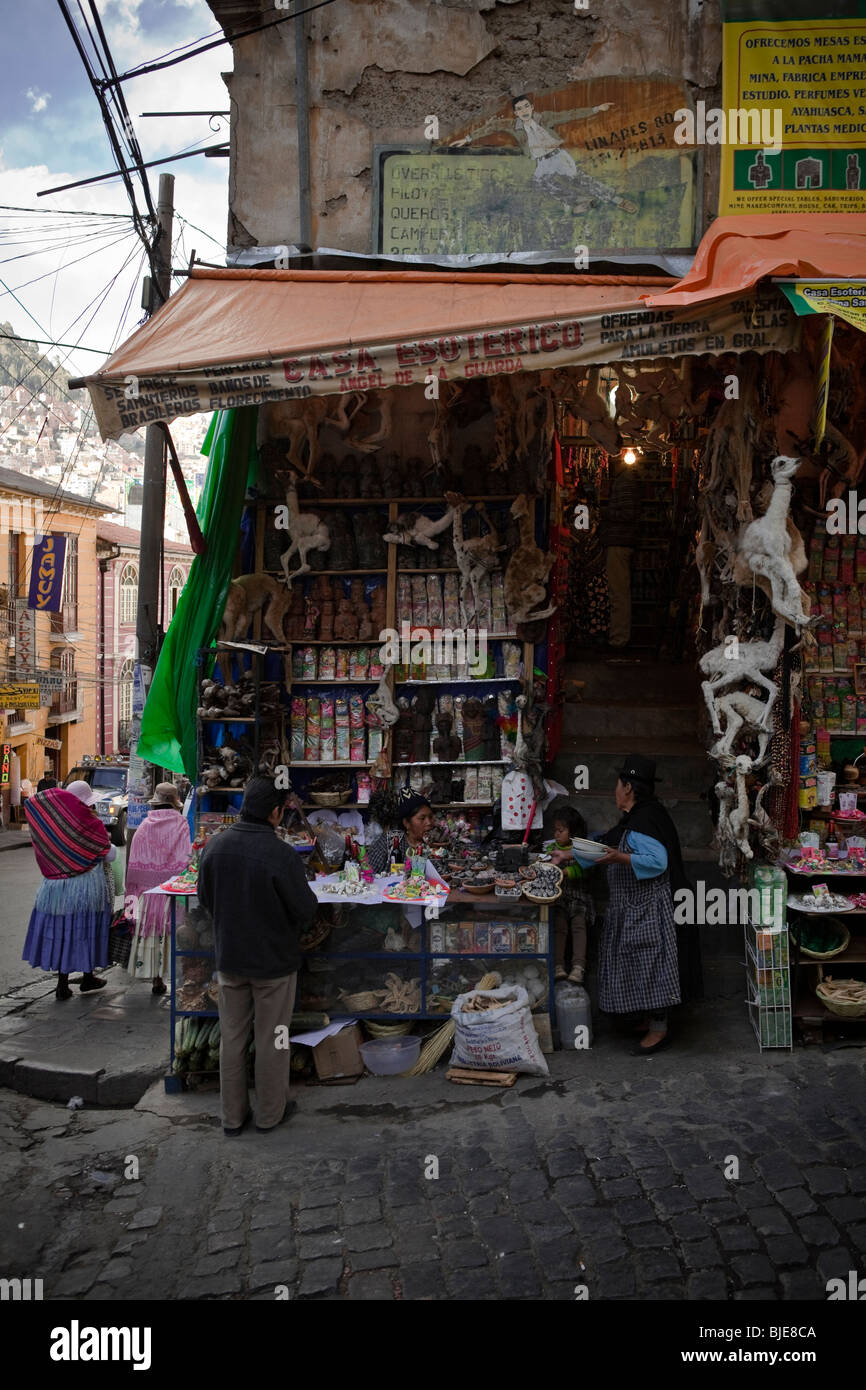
x,y
377,68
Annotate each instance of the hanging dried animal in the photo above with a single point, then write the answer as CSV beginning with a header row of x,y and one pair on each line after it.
x,y
738,818
765,548
383,402
733,661
502,405
733,441
439,434
769,839
300,422
476,555
741,711
529,745
591,405
307,530
380,705
247,595
414,528
528,569
725,841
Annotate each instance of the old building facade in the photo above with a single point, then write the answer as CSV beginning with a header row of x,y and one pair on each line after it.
x,y
117,550
62,644
377,73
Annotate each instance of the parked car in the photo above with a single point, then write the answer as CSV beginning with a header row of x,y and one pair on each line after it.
x,y
109,779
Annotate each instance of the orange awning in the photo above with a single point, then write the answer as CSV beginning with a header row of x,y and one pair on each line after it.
x,y
243,337
737,252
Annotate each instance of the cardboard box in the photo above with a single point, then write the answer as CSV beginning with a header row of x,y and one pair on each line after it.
x,y
339,1055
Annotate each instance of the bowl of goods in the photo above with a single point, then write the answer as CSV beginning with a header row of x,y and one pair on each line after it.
x,y
507,887
478,886
822,940
829,903
546,886
390,1056
589,849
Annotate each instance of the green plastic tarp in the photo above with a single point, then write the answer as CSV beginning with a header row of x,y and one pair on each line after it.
x,y
168,723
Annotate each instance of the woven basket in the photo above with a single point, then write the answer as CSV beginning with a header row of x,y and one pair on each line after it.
x,y
388,1030
828,955
844,1008
539,897
542,902
363,1002
330,798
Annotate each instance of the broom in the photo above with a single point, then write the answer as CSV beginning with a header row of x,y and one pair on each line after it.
x,y
437,1043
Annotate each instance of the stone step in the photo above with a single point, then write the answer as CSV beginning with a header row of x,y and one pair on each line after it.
x,y
608,719
622,679
690,814
682,764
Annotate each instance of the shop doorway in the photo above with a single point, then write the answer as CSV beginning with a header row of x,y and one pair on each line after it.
x,y
632,518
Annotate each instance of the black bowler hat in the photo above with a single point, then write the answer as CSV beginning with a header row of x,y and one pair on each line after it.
x,y
638,769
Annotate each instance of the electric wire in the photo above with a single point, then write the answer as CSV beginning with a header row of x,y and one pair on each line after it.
x,y
167,61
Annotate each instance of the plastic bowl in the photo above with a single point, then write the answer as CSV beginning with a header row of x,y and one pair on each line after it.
x,y
390,1056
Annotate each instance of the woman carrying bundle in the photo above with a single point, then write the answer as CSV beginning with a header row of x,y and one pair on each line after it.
x,y
72,914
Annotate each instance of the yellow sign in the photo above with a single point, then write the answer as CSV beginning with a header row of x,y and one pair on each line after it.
x,y
844,298
810,76
24,696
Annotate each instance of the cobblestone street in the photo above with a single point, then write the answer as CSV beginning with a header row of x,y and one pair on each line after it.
x,y
617,1183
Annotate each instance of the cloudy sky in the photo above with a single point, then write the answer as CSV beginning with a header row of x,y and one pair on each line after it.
x,y
57,272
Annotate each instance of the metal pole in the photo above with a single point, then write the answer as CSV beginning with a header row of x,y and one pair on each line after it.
x,y
153,482
305,218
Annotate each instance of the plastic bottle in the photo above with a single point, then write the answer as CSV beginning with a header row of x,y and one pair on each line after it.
x,y
573,1017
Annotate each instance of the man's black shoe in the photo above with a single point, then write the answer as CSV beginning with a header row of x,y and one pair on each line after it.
x,y
233,1133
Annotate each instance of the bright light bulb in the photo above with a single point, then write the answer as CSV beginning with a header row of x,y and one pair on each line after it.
x,y
629,456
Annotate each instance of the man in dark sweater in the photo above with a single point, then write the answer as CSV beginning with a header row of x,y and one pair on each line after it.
x,y
619,534
255,889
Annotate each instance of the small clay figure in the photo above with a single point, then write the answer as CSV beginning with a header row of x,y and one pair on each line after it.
x,y
473,728
403,732
311,619
345,622
422,724
446,745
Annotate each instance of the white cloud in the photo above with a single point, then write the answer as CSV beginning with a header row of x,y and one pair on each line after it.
x,y
38,100
61,284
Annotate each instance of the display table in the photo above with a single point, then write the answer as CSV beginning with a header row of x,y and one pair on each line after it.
x,y
808,1009
426,964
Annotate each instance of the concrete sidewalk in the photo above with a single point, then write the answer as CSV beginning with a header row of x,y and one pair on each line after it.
x,y
109,1048
19,838
106,1047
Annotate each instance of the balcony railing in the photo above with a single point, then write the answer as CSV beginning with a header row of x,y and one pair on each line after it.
x,y
66,620
7,622
124,734
65,701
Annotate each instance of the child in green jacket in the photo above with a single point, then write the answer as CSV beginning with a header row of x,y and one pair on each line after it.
x,y
573,912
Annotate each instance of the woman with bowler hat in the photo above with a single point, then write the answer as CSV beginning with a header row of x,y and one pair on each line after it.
x,y
643,967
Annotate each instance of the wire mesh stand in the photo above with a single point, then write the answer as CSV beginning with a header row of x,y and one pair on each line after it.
x,y
768,985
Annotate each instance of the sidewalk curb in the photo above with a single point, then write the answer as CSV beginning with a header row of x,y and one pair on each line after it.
x,y
22,843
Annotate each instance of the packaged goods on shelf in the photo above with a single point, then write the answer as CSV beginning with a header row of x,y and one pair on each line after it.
x,y
313,737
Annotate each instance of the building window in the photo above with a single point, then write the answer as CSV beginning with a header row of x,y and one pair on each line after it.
x,y
70,571
129,594
124,706
15,564
70,688
65,700
176,581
